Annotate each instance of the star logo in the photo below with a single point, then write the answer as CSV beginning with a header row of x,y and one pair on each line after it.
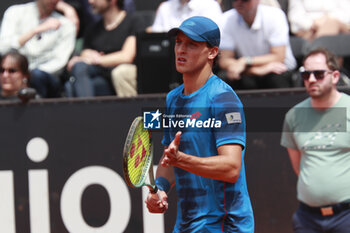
x,y
156,115
151,120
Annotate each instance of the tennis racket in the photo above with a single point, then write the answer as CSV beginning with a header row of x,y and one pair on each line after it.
x,y
138,157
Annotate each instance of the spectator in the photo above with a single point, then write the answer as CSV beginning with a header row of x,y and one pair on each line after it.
x,y
310,19
227,4
110,42
171,13
14,74
45,37
70,13
255,48
274,3
316,135
81,14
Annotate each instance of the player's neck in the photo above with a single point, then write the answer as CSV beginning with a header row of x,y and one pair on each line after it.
x,y
193,82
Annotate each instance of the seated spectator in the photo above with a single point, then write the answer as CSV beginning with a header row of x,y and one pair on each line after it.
x,y
81,14
70,13
227,4
110,42
274,3
124,80
44,36
169,14
310,19
255,49
14,74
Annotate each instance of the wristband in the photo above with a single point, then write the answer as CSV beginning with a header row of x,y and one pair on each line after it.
x,y
163,184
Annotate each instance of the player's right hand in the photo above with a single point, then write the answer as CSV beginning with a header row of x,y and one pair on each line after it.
x,y
157,203
171,153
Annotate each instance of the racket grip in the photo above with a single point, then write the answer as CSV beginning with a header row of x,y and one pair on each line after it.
x,y
154,192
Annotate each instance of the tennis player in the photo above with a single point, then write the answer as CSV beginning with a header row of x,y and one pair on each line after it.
x,y
205,163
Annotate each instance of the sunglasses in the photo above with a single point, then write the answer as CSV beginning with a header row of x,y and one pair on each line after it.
x,y
10,70
318,74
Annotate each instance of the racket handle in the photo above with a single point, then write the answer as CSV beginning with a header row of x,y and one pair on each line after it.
x,y
156,196
154,192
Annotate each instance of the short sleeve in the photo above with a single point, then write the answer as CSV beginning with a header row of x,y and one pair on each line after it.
x,y
279,34
229,110
287,138
227,31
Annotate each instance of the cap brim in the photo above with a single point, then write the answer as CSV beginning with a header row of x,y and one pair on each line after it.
x,y
189,33
173,32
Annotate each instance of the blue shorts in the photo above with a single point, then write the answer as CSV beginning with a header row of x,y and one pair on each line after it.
x,y
306,221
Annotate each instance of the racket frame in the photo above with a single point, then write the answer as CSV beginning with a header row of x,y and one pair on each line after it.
x,y
148,168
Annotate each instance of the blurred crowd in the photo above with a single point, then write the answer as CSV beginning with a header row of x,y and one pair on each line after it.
x,y
87,48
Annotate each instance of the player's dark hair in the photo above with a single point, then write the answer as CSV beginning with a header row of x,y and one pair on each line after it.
x,y
331,59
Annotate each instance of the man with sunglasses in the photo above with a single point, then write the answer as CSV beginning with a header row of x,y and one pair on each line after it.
x,y
316,135
255,48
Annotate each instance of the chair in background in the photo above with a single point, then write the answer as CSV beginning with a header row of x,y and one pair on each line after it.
x,y
298,46
155,61
338,44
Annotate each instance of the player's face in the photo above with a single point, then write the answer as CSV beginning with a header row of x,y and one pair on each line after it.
x,y
11,78
99,6
190,56
318,88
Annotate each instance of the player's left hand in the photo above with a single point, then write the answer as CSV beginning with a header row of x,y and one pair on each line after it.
x,y
157,205
171,154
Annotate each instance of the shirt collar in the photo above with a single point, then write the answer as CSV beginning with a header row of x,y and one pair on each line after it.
x,y
257,20
192,4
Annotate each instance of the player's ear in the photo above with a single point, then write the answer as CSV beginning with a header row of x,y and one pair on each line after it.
x,y
213,52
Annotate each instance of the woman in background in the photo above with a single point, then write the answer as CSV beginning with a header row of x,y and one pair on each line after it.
x,y
14,74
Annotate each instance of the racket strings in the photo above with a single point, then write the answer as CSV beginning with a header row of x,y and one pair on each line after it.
x,y
139,155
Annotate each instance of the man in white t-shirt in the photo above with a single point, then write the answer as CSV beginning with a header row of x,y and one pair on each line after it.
x,y
255,48
171,13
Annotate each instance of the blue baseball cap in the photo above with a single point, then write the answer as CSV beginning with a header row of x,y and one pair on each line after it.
x,y
199,28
